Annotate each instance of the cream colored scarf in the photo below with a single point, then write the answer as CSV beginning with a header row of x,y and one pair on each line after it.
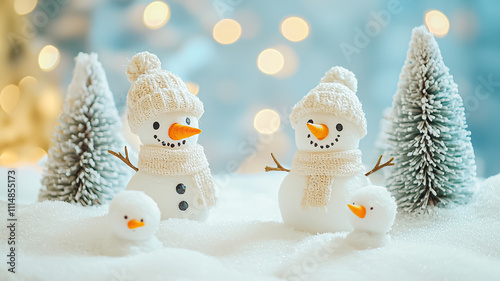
x,y
178,162
321,168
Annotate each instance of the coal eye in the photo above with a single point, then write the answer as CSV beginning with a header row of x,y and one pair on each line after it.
x,y
125,217
188,121
156,125
339,127
371,208
143,220
310,121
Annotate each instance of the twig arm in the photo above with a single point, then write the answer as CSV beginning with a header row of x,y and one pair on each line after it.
x,y
125,159
278,166
378,166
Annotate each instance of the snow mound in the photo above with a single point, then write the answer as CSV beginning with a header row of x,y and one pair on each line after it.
x,y
246,240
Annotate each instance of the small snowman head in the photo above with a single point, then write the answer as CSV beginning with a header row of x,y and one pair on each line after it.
x,y
161,109
133,215
373,209
330,117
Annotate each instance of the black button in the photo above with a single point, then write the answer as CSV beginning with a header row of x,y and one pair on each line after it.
x,y
180,188
183,205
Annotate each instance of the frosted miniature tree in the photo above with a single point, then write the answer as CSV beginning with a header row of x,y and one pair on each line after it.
x,y
429,138
79,168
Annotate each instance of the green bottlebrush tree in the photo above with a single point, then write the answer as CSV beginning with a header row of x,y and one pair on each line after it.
x,y
428,137
79,168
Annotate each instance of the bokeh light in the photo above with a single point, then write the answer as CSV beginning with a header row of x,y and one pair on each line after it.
x,y
24,7
49,103
156,14
294,29
291,61
437,23
227,31
8,158
193,87
48,58
267,121
9,98
270,61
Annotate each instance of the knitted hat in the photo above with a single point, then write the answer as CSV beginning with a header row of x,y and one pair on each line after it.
x,y
335,94
155,91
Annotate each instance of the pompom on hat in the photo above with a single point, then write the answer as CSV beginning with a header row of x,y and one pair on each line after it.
x,y
335,94
155,91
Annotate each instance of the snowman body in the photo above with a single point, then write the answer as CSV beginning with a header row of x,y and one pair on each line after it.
x,y
315,220
133,219
176,196
372,213
318,133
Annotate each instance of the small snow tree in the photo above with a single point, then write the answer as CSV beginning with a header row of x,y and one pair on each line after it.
x,y
79,168
434,159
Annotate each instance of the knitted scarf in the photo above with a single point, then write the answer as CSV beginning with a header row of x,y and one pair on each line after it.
x,y
321,168
179,162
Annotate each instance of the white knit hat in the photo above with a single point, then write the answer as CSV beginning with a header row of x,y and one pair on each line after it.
x,y
155,91
335,94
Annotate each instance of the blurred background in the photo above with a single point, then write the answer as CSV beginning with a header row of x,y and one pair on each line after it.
x,y
248,61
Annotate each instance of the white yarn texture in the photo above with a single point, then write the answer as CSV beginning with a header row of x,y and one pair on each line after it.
x,y
155,91
335,94
321,168
178,162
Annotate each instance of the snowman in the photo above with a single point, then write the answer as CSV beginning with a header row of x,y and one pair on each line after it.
x,y
172,167
133,219
329,122
373,211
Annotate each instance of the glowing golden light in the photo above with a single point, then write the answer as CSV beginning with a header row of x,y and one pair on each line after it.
x,y
49,103
34,154
267,121
8,158
27,82
9,97
48,58
291,61
24,7
156,14
437,23
270,61
294,29
227,31
193,87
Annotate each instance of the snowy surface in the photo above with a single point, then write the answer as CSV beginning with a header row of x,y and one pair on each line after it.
x,y
246,240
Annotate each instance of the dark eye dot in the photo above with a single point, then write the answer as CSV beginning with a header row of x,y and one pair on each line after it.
x,y
310,121
125,217
156,125
371,208
188,121
339,127
142,220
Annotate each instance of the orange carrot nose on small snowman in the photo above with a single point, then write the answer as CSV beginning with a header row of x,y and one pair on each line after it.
x,y
179,132
320,131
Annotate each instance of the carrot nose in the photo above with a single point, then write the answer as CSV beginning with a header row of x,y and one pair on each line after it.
x,y
179,132
320,131
359,211
135,224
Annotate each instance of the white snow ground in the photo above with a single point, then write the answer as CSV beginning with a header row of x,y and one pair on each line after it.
x,y
246,240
